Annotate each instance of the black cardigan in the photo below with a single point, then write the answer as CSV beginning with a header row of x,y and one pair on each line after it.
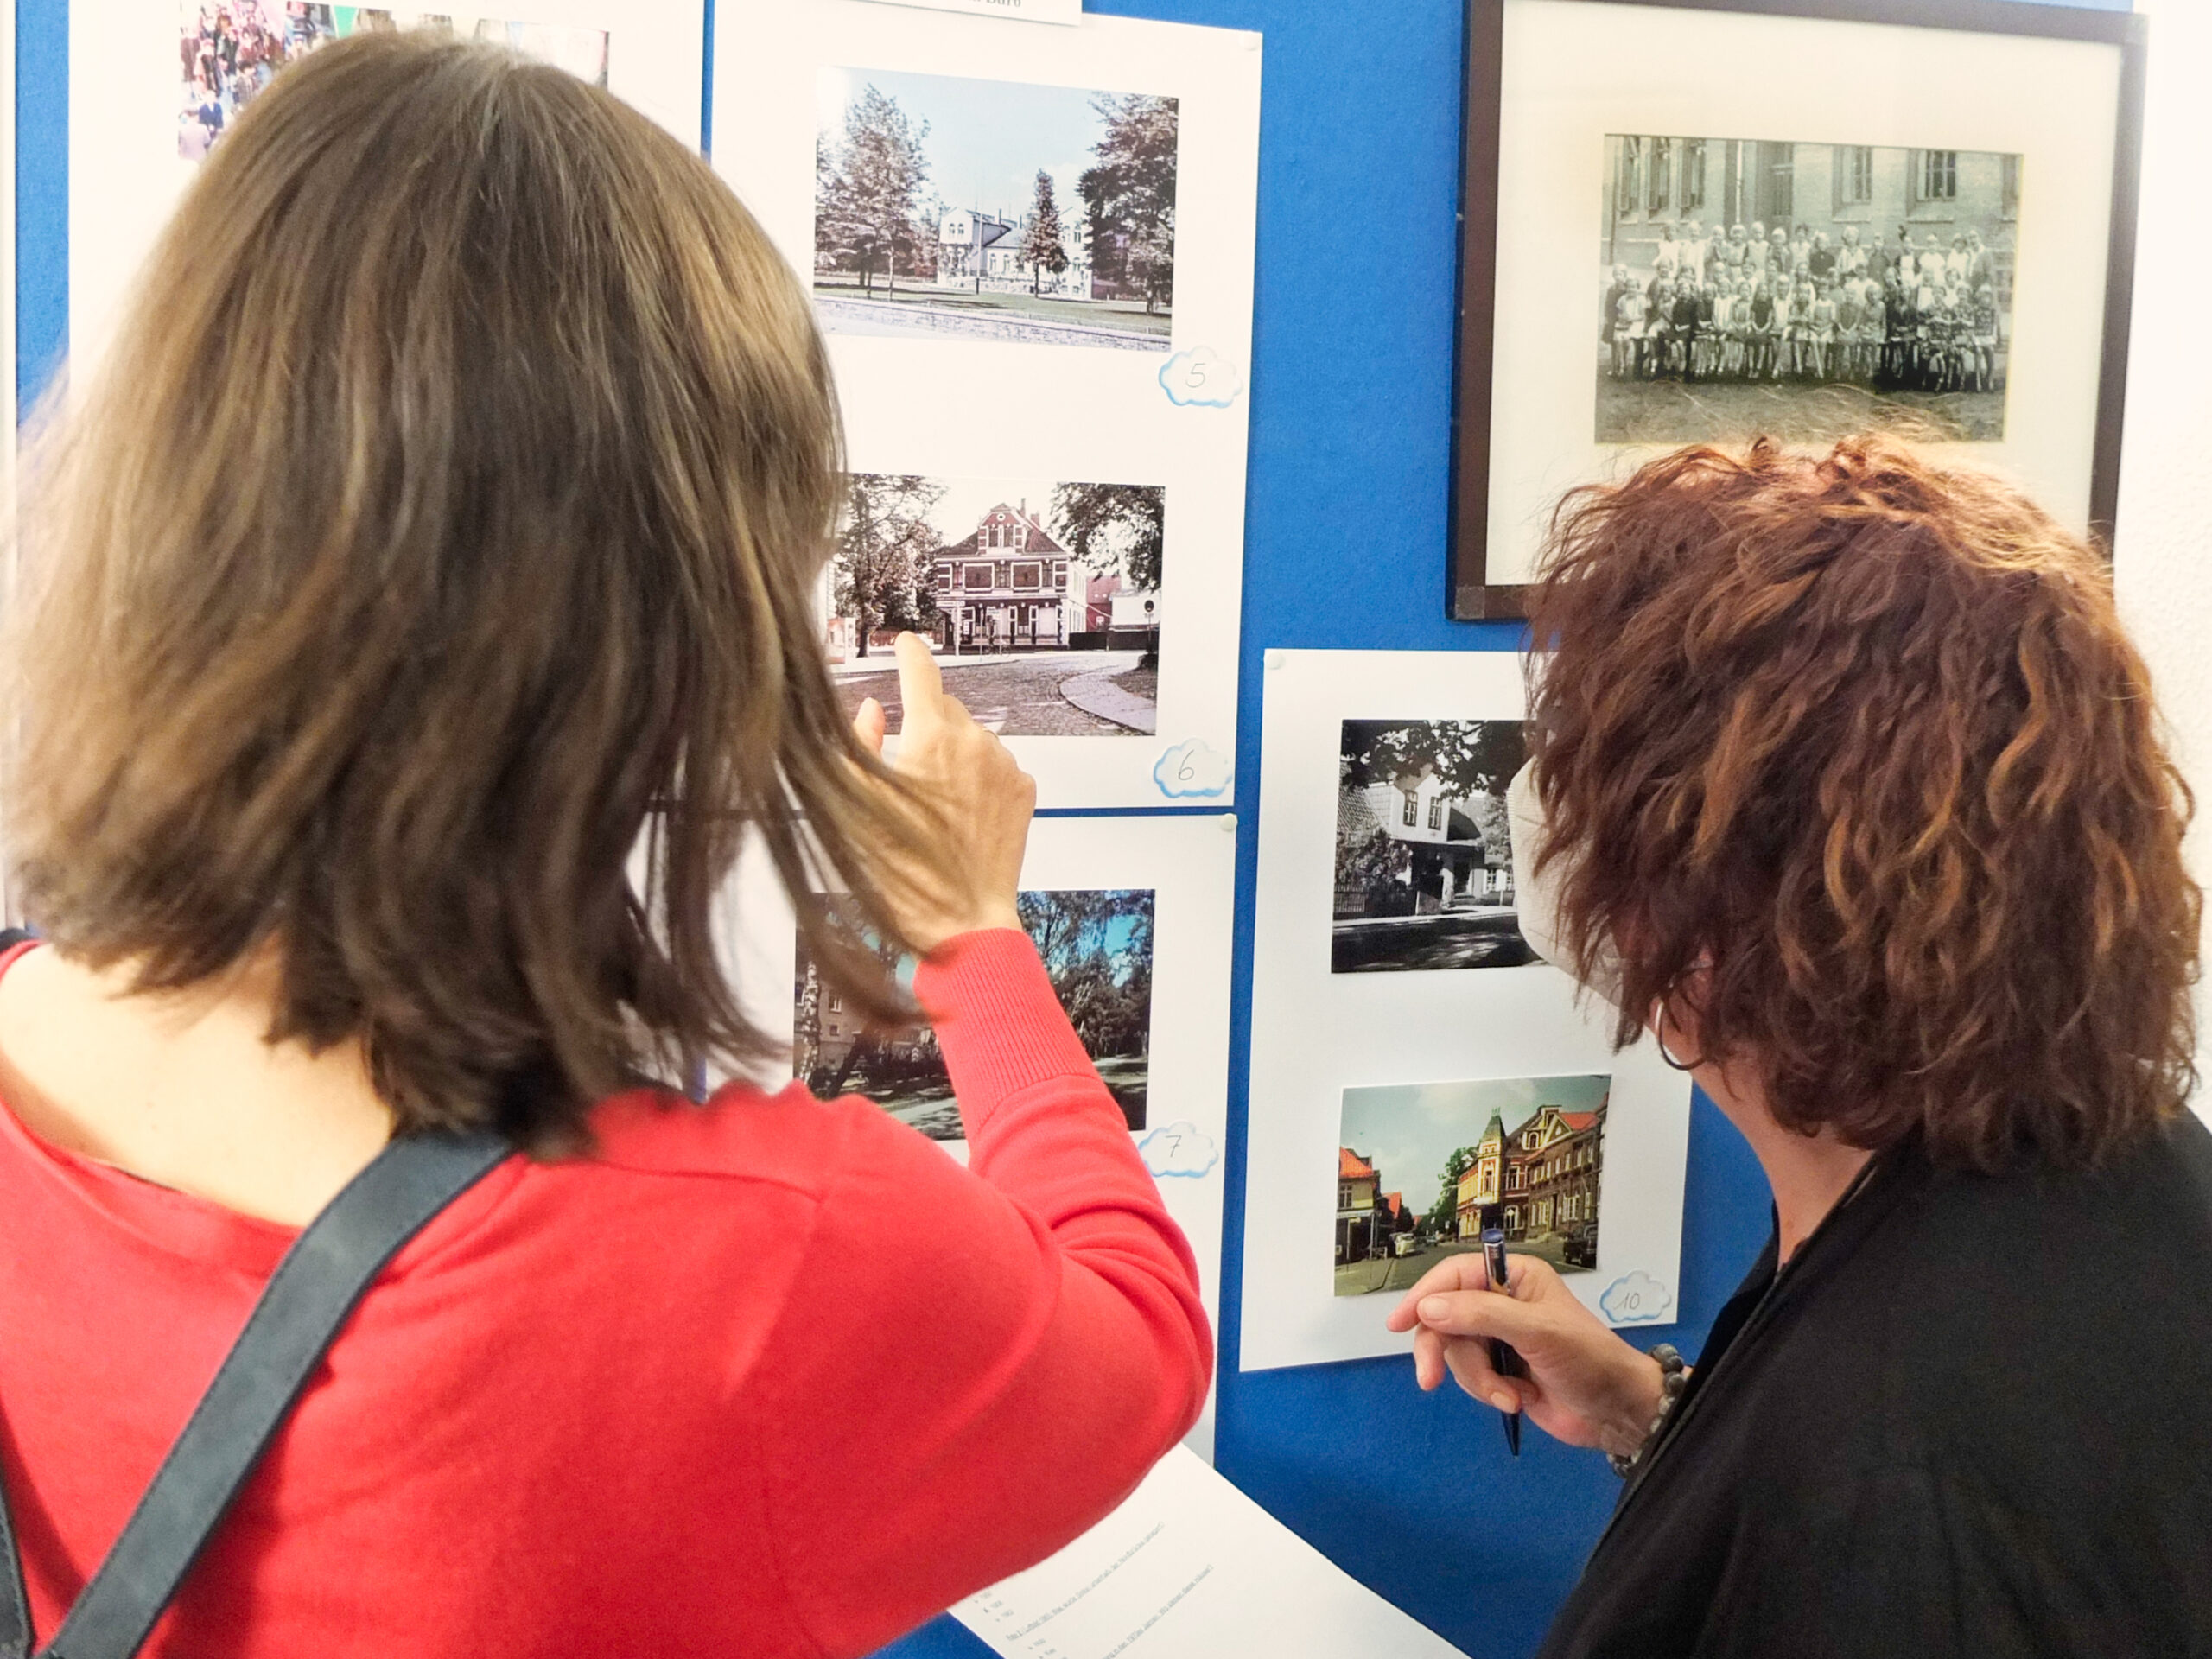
x,y
1972,1416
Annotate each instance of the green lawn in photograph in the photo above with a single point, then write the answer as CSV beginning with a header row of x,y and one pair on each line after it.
x,y
1126,316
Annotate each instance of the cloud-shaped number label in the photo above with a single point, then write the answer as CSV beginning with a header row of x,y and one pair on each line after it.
x,y
1179,1149
1636,1299
1201,376
1190,768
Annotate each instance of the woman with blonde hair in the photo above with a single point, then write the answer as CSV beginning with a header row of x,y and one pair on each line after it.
x,y
420,618
1847,784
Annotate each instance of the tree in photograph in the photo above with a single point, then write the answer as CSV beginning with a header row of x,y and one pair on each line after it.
x,y
1041,243
1113,528
867,192
1443,1215
1096,948
884,552
1130,196
1377,867
1470,757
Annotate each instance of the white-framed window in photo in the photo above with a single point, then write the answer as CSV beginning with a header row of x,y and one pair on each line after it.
x,y
1944,304
1937,177
1854,175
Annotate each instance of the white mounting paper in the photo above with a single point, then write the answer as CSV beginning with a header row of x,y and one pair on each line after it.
x,y
1189,863
126,91
1191,1567
1316,1033
1027,11
948,406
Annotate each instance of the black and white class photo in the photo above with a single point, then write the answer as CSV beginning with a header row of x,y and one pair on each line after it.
x,y
1424,866
1802,290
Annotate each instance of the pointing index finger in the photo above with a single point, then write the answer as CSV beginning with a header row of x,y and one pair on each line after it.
x,y
921,687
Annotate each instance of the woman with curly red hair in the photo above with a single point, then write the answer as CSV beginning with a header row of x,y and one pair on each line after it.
x,y
1847,784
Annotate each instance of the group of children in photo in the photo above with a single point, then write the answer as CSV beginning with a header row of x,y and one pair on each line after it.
x,y
230,50
1752,305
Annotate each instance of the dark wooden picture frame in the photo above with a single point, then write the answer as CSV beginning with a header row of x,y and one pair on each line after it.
x,y
1469,594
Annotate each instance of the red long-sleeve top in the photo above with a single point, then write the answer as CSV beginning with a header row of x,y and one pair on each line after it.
x,y
765,1378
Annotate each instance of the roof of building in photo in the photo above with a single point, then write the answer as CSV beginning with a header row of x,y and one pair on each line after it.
x,y
996,534
1349,1164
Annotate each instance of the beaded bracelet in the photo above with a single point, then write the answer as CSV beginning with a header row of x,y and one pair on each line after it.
x,y
1674,1375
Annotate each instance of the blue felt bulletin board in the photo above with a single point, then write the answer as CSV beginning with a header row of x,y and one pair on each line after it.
x,y
1345,548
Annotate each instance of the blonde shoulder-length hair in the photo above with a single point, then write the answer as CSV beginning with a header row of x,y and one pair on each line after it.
x,y
444,519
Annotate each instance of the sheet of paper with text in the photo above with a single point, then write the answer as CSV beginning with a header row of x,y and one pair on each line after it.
x,y
1188,1566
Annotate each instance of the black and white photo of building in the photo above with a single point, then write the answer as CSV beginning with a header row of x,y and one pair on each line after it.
x,y
1424,864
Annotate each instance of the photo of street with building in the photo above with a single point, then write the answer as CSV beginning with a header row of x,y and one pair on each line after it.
x,y
1040,598
232,49
1804,291
1096,947
1417,1163
1424,867
994,210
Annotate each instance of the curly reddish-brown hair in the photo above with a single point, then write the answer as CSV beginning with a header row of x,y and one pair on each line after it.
x,y
1862,736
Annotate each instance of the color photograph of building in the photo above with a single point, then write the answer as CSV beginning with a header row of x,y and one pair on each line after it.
x,y
1416,1163
1041,598
994,210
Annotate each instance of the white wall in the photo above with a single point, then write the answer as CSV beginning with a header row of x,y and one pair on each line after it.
x,y
2164,532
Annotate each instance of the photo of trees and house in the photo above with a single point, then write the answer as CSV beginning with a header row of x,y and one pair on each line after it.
x,y
1041,598
994,210
1417,1163
1097,946
1424,864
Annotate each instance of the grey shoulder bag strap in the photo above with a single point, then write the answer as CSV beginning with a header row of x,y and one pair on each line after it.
x,y
322,1277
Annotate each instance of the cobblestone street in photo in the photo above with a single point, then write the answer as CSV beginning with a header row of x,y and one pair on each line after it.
x,y
1023,697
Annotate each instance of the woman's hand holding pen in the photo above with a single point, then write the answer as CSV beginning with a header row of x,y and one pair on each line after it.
x,y
1584,1386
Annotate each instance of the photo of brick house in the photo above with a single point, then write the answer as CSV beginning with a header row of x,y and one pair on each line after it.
x,y
1543,1174
1041,598
1533,1145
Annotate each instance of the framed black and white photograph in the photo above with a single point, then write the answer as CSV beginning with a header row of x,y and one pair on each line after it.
x,y
1790,218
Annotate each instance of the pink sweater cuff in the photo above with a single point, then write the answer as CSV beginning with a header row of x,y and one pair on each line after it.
x,y
1001,1028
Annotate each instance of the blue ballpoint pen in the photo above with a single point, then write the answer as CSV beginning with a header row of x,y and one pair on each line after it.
x,y
1502,1359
